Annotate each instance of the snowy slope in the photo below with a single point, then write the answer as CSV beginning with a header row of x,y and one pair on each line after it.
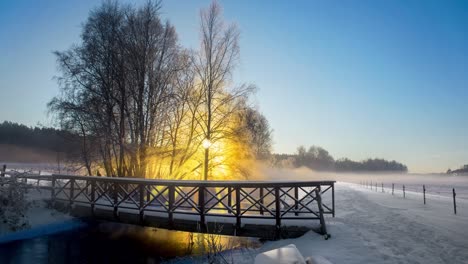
x,y
37,213
375,227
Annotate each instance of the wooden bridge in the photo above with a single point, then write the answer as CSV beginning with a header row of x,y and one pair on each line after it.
x,y
267,209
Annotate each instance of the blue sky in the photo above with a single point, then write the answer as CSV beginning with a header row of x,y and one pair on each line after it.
x,y
360,78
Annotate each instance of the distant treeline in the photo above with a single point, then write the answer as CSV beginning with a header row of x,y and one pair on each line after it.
x,y
38,137
319,159
462,170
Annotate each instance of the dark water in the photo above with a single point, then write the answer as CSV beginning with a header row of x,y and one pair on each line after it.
x,y
114,243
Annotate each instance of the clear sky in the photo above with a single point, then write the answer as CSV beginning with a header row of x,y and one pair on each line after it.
x,y
360,78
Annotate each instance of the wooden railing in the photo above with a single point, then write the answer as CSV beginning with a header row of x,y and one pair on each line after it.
x,y
273,200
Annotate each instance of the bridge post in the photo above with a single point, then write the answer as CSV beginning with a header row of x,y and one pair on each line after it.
x,y
238,210
148,196
323,227
171,205
2,174
261,200
72,193
141,190
201,207
115,196
296,204
278,212
52,191
333,199
230,197
93,195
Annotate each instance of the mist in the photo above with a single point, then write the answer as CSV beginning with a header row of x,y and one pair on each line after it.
x,y
441,184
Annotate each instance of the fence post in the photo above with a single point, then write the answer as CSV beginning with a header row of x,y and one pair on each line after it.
x,y
382,187
404,194
376,187
454,201
393,188
424,193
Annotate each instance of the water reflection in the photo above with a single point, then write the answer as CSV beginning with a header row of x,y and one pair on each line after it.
x,y
116,243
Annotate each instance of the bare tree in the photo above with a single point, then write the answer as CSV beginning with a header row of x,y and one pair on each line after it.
x,y
215,63
119,81
152,54
144,107
259,133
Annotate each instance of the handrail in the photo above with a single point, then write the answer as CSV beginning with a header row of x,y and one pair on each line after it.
x,y
277,200
188,183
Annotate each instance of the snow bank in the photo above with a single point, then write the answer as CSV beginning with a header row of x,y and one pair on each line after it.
x,y
287,254
375,227
37,215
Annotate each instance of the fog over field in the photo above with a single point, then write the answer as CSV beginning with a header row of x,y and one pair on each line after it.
x,y
436,184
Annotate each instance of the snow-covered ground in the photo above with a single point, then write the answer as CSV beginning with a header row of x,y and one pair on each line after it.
x,y
370,226
376,227
37,213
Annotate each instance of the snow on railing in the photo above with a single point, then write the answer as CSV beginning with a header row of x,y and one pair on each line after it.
x,y
270,201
